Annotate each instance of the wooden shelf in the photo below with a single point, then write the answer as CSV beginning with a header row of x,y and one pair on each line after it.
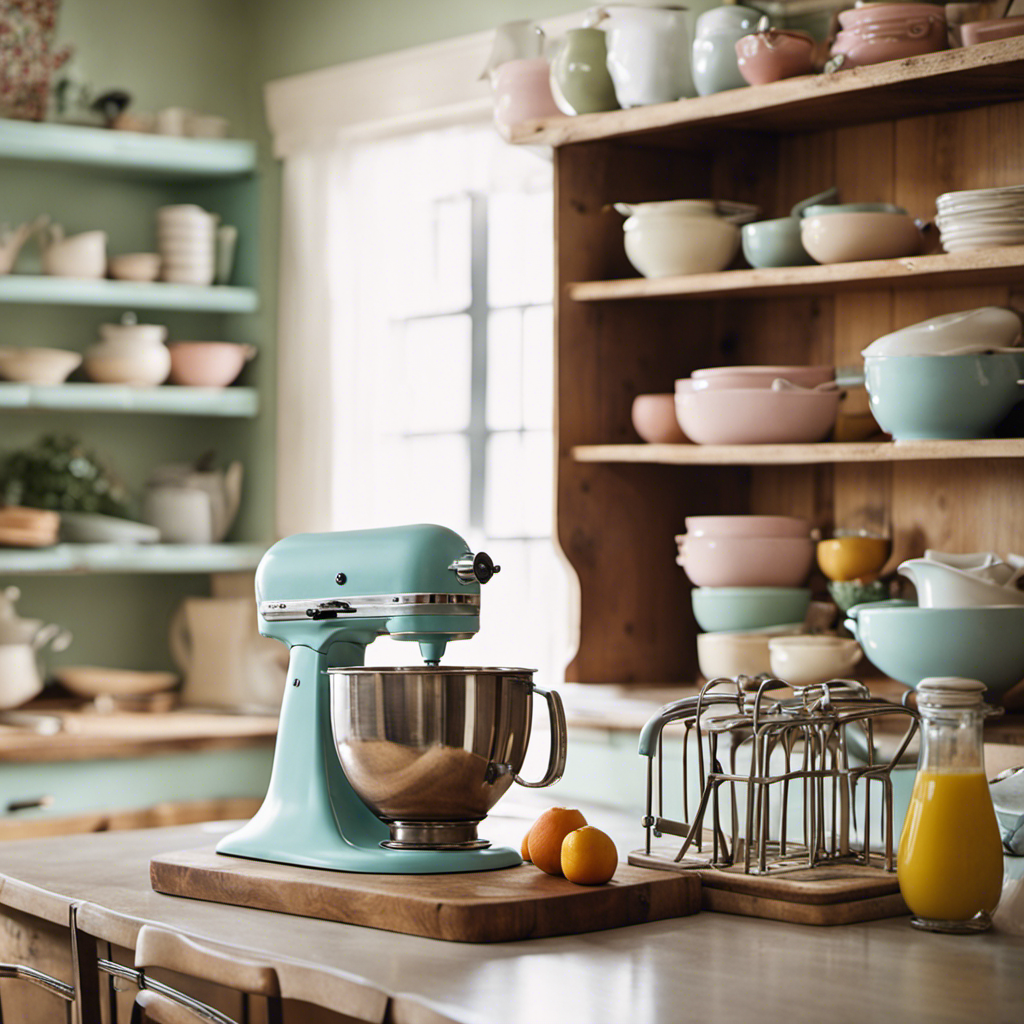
x,y
825,452
73,291
131,558
168,399
137,152
953,79
944,270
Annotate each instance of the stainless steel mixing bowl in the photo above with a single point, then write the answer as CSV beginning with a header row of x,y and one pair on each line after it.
x,y
430,751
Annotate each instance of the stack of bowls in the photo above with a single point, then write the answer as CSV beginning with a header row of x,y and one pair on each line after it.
x,y
748,573
979,218
952,377
757,404
186,238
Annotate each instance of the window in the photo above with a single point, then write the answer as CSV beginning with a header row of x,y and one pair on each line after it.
x,y
447,396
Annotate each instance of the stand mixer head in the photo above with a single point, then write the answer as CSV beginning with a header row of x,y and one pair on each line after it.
x,y
326,596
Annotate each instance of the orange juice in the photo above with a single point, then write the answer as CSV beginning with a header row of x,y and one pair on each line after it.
x,y
950,864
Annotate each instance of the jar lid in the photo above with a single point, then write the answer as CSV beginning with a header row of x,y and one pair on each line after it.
x,y
950,692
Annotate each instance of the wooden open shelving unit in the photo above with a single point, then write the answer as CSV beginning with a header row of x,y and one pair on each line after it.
x,y
902,132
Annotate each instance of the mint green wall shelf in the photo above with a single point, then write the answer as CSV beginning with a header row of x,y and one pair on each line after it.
x,y
168,399
129,152
73,291
132,558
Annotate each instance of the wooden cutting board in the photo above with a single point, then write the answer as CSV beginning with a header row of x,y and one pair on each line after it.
x,y
481,906
827,895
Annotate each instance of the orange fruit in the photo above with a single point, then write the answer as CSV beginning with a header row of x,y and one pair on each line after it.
x,y
588,856
545,838
524,849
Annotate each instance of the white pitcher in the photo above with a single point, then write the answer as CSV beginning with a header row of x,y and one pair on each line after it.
x,y
215,643
648,52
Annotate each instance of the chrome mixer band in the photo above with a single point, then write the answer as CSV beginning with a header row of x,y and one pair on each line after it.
x,y
372,606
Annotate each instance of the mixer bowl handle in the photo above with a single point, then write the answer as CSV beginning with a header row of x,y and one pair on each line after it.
x,y
559,741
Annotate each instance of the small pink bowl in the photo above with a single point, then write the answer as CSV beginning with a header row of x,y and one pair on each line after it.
x,y
769,56
747,526
654,418
208,364
985,31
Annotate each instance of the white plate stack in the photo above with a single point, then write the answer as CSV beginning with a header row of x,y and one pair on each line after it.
x,y
186,238
980,218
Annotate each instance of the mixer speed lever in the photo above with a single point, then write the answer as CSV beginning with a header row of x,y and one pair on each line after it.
x,y
329,610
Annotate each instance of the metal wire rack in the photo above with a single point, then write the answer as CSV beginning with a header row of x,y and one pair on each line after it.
x,y
798,744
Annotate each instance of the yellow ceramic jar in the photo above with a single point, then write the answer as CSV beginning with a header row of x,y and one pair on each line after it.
x,y
852,557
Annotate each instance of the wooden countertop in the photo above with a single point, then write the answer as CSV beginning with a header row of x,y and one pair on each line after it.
x,y
708,967
88,735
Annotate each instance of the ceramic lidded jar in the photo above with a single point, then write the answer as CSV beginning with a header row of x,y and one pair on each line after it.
x,y
715,64
129,353
879,32
580,82
648,52
522,92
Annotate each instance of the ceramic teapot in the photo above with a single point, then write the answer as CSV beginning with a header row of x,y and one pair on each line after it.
x,y
715,62
82,255
193,503
21,640
648,52
12,240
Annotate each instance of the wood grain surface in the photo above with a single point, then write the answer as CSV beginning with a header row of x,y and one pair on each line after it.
x,y
485,906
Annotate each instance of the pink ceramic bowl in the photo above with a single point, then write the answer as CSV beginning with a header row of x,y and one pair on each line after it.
x,y
746,561
208,364
768,56
654,418
985,31
759,376
849,237
746,526
879,32
757,416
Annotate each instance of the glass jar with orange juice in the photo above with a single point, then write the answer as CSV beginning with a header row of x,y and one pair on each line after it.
x,y
950,862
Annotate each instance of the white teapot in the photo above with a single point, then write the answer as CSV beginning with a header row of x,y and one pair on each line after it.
x,y
21,640
81,255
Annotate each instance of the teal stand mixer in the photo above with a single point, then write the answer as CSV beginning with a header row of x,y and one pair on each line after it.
x,y
386,770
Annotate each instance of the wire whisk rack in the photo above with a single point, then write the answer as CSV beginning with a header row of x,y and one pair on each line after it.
x,y
799,746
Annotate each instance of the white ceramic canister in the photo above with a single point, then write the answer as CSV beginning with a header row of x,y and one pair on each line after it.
x,y
648,52
715,63
129,353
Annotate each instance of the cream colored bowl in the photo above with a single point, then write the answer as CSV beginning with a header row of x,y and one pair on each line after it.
x,y
669,244
38,365
91,681
849,237
802,660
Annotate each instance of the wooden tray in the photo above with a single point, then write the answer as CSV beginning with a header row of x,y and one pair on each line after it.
x,y
480,906
828,895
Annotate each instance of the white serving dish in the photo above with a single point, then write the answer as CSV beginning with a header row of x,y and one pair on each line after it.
x,y
736,654
943,586
95,528
38,365
803,660
92,681
981,329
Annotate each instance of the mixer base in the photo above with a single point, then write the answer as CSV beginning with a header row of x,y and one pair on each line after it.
x,y
434,835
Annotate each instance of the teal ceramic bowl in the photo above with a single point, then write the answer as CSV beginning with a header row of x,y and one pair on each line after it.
x,y
910,643
823,208
744,608
774,243
942,397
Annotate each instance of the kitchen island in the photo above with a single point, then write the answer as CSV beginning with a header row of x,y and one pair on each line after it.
x,y
707,967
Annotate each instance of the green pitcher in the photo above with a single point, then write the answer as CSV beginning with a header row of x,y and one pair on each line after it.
x,y
580,82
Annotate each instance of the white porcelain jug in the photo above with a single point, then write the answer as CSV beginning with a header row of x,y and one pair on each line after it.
x,y
20,676
226,663
193,505
82,255
648,52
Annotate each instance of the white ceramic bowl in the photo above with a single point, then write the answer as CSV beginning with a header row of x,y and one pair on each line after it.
x,y
38,365
802,660
987,327
757,416
91,681
733,654
669,243
849,237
